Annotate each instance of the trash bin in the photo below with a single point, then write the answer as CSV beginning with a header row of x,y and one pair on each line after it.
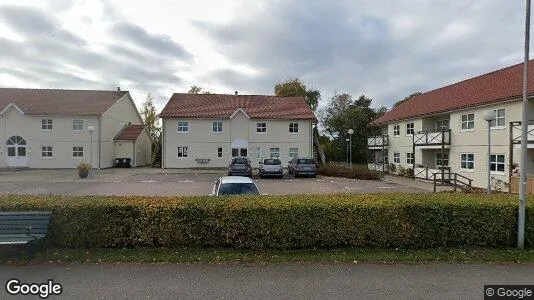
x,y
123,162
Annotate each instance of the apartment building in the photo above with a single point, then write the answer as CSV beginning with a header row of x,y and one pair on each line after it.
x,y
444,132
207,130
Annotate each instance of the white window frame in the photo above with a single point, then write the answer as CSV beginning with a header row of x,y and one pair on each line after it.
x,y
49,150
261,127
48,125
258,152
182,151
440,126
274,152
496,163
220,153
409,158
494,124
445,158
396,130
294,127
396,157
76,126
76,151
293,152
467,122
410,129
467,161
182,126
215,125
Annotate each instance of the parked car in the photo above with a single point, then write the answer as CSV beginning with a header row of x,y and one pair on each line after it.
x,y
302,166
271,167
240,166
234,185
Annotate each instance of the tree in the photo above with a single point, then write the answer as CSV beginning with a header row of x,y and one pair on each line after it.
x,y
150,117
195,89
294,87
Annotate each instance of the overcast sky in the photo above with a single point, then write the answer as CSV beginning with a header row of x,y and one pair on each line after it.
x,y
385,49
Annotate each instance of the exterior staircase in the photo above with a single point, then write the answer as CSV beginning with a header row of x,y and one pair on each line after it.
x,y
318,153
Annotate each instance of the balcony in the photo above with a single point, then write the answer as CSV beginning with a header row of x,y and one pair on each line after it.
x,y
377,142
516,134
423,172
377,166
432,139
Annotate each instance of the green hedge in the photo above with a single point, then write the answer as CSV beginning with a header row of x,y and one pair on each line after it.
x,y
283,222
356,172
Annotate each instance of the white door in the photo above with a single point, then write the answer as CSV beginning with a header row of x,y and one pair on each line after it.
x,y
16,152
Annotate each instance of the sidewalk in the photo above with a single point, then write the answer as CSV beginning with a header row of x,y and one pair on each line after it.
x,y
415,183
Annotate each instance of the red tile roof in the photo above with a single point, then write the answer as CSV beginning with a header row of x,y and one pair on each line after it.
x,y
130,133
223,106
59,102
497,86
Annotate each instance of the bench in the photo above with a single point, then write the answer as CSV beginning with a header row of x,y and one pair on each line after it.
x,y
23,227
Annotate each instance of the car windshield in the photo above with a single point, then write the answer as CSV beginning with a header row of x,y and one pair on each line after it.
x,y
238,189
306,162
241,160
271,162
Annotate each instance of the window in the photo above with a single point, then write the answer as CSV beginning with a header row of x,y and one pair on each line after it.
x,y
497,162
442,125
219,152
467,161
293,152
77,125
182,151
183,126
261,127
243,152
442,159
396,130
499,120
274,152
468,122
396,157
409,158
217,127
46,124
293,127
409,128
258,152
77,151
46,151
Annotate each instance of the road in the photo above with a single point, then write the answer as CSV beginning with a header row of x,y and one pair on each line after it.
x,y
277,281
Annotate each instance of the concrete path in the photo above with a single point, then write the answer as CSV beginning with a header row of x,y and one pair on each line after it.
x,y
415,183
284,281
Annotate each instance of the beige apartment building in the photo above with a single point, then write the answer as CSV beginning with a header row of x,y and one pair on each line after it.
x,y
207,130
444,132
46,128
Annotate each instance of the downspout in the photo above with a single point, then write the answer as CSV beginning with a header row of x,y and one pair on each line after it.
x,y
99,141
162,143
134,155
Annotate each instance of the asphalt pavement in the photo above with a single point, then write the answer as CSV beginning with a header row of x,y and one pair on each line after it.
x,y
276,281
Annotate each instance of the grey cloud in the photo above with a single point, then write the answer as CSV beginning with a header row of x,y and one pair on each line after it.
x,y
35,24
161,44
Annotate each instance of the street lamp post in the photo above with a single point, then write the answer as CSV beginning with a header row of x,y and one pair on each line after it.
x,y
91,129
350,146
347,140
488,117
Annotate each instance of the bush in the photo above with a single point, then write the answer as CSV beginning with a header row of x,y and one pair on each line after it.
x,y
359,172
282,222
392,168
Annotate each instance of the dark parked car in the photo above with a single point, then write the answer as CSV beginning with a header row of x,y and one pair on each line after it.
x,y
240,166
271,167
302,166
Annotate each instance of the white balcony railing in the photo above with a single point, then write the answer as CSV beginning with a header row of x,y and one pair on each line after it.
x,y
424,138
516,133
377,141
377,167
427,173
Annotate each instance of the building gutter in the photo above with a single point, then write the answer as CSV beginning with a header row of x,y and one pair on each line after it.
x,y
99,142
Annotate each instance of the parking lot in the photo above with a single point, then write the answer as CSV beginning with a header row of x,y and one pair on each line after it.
x,y
158,182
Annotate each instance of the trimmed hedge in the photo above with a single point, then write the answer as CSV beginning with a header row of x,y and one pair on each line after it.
x,y
282,222
357,172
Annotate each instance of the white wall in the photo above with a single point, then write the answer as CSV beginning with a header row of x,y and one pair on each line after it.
x,y
202,143
143,149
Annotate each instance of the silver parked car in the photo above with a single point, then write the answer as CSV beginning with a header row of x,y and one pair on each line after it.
x,y
271,167
234,185
302,166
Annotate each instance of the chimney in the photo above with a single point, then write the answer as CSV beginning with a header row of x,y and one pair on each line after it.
x,y
236,93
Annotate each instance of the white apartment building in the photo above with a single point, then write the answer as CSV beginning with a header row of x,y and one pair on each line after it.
x,y
443,131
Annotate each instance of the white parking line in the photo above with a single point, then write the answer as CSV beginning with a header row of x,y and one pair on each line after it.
x,y
386,187
148,181
351,188
185,181
117,181
320,180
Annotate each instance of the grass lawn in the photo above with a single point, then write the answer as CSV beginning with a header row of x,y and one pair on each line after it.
x,y
232,256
